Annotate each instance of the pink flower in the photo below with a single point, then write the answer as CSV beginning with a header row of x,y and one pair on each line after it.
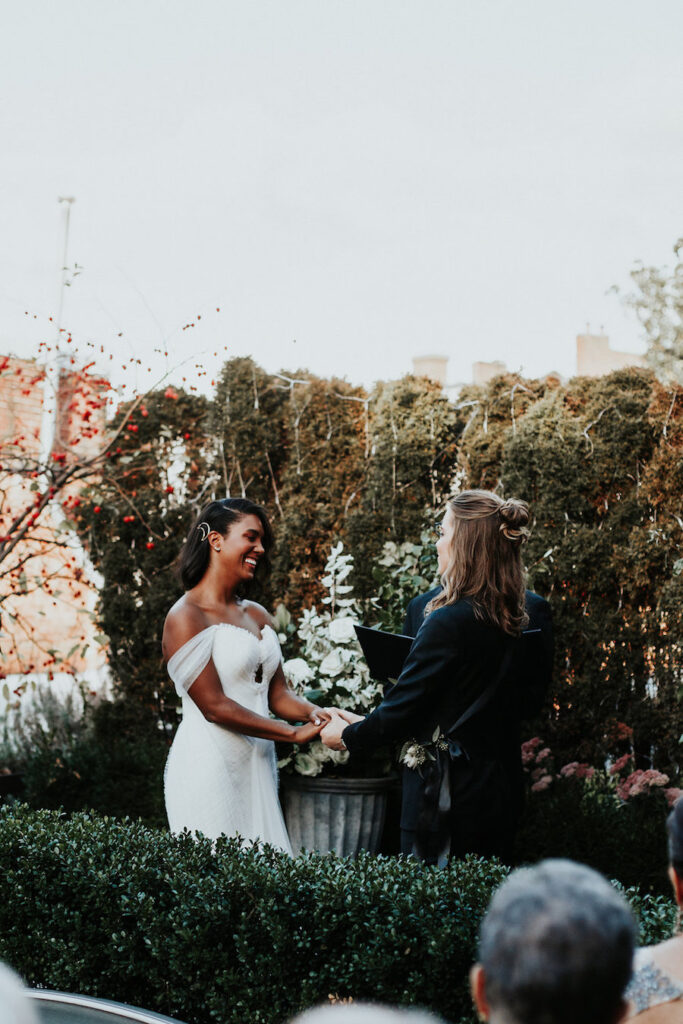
x,y
619,764
578,770
529,749
640,782
542,784
673,795
543,755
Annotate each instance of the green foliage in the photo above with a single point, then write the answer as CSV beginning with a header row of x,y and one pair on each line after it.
x,y
133,523
402,572
321,480
90,754
600,461
119,911
248,419
585,821
413,434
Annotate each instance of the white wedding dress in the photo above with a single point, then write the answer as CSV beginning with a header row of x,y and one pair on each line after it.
x,y
218,781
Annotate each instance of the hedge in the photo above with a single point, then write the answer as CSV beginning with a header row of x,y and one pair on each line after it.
x,y
117,910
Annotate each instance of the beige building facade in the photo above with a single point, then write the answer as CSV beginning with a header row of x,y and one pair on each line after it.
x,y
594,357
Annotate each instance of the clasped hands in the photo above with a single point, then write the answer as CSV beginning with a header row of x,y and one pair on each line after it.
x,y
331,733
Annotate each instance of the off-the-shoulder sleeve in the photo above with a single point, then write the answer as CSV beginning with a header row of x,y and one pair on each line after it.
x,y
190,659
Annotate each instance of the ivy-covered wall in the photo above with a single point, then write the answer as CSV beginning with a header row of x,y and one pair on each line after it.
x,y
600,460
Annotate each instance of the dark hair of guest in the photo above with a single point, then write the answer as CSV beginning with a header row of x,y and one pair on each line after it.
x,y
195,555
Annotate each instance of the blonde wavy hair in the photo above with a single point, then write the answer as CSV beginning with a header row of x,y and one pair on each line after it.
x,y
485,559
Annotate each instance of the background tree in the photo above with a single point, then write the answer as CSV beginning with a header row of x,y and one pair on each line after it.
x,y
43,572
413,443
599,461
248,413
321,481
133,521
658,303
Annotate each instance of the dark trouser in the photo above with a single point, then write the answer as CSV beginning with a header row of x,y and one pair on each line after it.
x,y
500,846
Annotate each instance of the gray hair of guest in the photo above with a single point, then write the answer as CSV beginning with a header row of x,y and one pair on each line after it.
x,y
364,1013
15,1004
556,947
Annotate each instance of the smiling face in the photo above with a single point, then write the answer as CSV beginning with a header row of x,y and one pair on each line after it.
x,y
240,550
443,544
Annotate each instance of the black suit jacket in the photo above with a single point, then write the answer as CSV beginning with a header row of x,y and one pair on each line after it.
x,y
453,659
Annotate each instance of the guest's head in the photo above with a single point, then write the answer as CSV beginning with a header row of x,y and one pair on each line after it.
x,y
364,1013
556,947
480,557
231,536
674,826
15,1005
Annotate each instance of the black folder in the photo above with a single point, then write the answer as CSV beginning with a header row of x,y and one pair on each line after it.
x,y
385,653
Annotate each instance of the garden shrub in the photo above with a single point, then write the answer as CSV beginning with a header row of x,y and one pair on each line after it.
x,y
625,841
116,910
94,754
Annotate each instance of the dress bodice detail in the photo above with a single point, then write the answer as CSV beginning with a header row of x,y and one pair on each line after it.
x,y
237,653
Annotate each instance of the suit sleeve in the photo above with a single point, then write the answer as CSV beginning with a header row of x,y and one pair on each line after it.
x,y
409,624
431,658
538,664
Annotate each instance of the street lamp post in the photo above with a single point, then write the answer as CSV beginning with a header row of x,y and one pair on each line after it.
x,y
55,362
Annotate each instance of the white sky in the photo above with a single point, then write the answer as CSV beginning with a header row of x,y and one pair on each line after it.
x,y
376,179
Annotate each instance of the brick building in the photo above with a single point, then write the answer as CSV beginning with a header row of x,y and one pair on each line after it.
x,y
48,588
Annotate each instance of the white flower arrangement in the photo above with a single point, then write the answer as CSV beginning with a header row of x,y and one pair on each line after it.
x,y
331,669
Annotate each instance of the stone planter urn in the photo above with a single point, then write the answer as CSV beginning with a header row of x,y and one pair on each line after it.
x,y
339,815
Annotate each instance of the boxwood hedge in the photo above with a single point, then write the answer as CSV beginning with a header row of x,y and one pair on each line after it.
x,y
118,910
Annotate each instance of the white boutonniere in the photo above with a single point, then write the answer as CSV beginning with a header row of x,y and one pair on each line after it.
x,y
414,754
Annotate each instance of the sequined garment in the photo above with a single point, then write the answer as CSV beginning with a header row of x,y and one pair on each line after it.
x,y
650,985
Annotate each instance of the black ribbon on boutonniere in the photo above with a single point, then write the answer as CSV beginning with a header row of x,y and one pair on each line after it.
x,y
432,842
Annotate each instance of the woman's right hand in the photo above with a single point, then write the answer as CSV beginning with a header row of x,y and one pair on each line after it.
x,y
309,731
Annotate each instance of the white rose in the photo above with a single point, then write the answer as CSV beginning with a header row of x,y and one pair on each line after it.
x,y
331,664
297,671
341,630
337,756
304,764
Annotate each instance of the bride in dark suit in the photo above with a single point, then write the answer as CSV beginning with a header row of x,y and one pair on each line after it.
x,y
480,663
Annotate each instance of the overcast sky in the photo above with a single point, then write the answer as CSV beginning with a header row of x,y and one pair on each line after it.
x,y
352,183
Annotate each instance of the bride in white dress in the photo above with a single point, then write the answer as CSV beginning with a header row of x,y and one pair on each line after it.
x,y
223,656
